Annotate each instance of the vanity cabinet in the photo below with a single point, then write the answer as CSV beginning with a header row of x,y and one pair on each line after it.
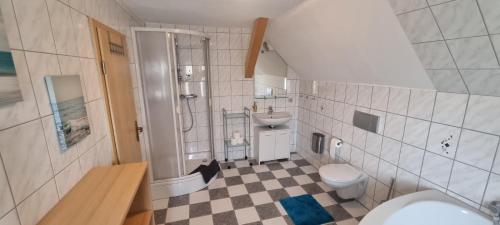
x,y
271,144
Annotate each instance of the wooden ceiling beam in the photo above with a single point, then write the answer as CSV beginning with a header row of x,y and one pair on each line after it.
x,y
259,29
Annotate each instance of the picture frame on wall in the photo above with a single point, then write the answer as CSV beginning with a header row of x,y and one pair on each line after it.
x,y
68,105
9,87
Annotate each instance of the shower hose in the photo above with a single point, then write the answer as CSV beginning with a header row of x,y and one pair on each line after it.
x,y
191,114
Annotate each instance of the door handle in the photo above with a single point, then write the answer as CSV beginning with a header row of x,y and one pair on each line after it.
x,y
138,130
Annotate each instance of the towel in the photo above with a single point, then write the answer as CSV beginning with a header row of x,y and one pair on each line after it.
x,y
208,171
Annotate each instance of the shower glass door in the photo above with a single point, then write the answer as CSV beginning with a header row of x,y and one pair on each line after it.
x,y
159,85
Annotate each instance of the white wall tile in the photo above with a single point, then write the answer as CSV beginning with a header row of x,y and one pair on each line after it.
x,y
364,95
348,113
447,81
68,178
6,201
450,108
459,19
359,138
390,150
59,159
370,165
394,126
37,205
41,65
436,169
482,114
492,193
62,27
411,158
35,38
10,219
416,132
10,24
351,94
381,191
380,98
420,26
463,177
386,172
434,55
28,167
340,92
400,6
357,157
482,82
406,182
398,100
439,136
373,143
477,149
473,53
491,15
421,104
82,36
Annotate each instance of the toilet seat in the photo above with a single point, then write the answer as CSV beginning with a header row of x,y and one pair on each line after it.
x,y
341,174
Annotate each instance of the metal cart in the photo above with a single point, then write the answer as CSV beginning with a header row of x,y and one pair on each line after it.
x,y
245,115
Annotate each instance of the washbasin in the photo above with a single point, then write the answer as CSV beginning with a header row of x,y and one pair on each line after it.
x,y
426,207
272,119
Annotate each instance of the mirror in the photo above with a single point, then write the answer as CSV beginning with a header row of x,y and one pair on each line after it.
x,y
9,88
270,73
68,106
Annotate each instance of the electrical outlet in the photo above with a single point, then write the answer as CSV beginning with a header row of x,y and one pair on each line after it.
x,y
446,143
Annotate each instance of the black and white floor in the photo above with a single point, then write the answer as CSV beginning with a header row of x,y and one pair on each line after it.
x,y
250,195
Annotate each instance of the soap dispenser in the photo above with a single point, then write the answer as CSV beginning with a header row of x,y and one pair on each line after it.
x,y
254,107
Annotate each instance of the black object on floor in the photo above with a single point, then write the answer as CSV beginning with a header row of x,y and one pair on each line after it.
x,y
208,171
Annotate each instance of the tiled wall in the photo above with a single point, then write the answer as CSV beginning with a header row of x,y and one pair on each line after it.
x,y
230,90
456,42
190,50
410,146
50,37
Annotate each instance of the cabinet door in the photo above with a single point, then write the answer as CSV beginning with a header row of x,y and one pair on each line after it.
x,y
282,149
266,146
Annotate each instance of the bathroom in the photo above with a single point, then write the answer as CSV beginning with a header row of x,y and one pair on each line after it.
x,y
249,112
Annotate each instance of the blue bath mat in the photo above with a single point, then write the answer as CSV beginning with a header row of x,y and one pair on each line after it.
x,y
305,210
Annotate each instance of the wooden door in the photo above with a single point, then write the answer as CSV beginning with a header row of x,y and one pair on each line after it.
x,y
112,53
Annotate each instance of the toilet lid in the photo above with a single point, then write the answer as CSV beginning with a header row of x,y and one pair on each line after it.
x,y
339,172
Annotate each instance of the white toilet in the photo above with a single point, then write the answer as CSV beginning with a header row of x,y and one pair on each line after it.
x,y
346,180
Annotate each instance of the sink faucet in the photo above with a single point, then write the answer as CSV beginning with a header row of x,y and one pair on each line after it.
x,y
270,110
494,206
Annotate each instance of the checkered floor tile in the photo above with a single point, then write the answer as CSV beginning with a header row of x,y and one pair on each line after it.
x,y
250,195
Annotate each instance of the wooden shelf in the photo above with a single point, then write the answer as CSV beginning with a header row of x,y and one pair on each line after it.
x,y
105,196
143,218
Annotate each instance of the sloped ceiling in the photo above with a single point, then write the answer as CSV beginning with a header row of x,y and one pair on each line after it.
x,y
209,12
347,41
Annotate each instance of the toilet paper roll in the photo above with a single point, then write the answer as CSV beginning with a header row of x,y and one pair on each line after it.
x,y
335,144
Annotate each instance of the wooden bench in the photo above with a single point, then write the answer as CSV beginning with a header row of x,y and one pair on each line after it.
x,y
111,195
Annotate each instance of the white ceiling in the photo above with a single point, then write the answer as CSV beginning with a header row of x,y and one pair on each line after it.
x,y
347,41
209,12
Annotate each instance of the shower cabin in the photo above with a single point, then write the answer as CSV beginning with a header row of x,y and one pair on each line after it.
x,y
174,76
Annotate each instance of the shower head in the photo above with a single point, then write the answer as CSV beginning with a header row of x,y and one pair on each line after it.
x,y
188,96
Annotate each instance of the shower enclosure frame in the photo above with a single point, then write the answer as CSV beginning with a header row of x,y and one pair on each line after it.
x,y
146,155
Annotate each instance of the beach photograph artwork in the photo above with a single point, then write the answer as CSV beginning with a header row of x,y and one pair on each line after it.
x,y
9,88
68,105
